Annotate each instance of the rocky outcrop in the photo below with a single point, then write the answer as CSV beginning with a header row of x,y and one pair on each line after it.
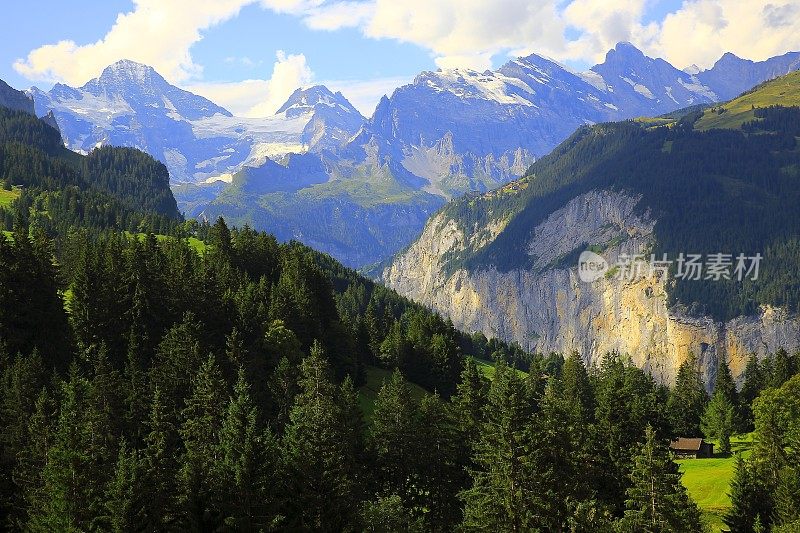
x,y
548,308
16,100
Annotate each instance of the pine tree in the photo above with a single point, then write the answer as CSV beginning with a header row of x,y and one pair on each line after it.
x,y
469,400
283,388
440,473
754,383
657,500
160,468
787,496
86,302
355,428
106,409
782,368
69,487
32,459
576,387
124,508
28,274
687,400
177,361
135,392
769,451
220,237
718,420
744,494
626,402
314,451
395,350
22,381
561,458
501,497
200,482
247,460
725,384
394,440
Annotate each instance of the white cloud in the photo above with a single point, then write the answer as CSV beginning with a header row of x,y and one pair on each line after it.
x,y
260,98
479,62
702,30
466,32
295,7
339,15
158,33
457,33
602,25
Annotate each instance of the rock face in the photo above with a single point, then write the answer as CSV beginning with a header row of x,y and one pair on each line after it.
x,y
548,308
14,99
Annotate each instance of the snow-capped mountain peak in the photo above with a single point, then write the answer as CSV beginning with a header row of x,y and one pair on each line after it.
x,y
131,104
131,72
310,99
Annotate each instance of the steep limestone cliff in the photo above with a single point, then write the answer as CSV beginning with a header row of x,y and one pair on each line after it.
x,y
548,308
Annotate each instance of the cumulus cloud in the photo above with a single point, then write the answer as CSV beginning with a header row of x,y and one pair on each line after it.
x,y
156,33
469,33
334,16
601,25
702,30
260,97
457,33
466,32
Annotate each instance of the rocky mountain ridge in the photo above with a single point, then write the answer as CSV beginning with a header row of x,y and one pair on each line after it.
x,y
448,133
710,183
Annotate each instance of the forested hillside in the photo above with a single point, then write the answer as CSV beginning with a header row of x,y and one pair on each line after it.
x,y
149,387
731,191
109,188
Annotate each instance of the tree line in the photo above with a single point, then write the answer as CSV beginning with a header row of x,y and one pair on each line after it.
x,y
147,386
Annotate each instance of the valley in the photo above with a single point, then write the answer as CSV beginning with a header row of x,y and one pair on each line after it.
x,y
531,276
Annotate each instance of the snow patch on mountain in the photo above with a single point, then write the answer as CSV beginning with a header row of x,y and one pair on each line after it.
x,y
472,85
639,88
696,87
130,104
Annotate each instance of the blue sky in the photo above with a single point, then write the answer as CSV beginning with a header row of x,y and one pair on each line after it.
x,y
249,54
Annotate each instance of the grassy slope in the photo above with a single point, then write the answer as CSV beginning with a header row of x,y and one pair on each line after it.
x,y
368,392
487,367
6,197
784,91
196,244
707,480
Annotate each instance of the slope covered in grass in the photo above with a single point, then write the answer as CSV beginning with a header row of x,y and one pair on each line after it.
x,y
708,480
6,197
783,91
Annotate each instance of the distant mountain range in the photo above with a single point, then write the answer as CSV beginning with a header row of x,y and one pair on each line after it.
x,y
361,189
132,105
715,183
